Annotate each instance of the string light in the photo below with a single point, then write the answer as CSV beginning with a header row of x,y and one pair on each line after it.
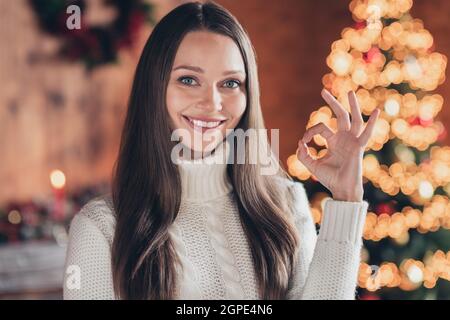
x,y
412,64
358,62
407,177
392,107
409,276
435,215
416,181
394,121
425,189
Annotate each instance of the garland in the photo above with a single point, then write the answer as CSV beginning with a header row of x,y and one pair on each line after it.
x,y
93,44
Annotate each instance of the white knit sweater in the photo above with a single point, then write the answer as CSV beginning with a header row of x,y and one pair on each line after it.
x,y
214,251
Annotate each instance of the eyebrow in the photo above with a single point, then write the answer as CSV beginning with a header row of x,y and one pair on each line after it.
x,y
200,70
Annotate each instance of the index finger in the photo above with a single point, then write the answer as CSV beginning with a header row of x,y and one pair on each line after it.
x,y
343,119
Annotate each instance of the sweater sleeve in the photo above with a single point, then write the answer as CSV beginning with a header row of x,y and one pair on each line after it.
x,y
327,263
87,273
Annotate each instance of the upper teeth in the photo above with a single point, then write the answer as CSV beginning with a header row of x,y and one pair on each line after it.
x,y
204,124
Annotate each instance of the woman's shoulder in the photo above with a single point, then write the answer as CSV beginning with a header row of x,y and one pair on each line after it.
x,y
287,184
295,192
99,212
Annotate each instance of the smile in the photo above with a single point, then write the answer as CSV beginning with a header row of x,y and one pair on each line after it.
x,y
203,124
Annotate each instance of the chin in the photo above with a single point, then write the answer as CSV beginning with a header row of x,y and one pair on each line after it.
x,y
206,147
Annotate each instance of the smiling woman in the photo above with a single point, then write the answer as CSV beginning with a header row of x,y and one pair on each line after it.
x,y
206,229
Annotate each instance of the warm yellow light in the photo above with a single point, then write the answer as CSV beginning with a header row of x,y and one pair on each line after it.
x,y
441,171
404,154
399,127
57,179
412,67
426,189
381,131
415,274
14,217
426,111
340,62
393,72
402,239
359,76
392,107
419,40
370,163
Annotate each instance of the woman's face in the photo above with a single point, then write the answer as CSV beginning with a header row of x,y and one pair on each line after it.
x,y
206,93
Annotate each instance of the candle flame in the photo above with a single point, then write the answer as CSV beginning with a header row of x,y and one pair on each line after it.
x,y
57,179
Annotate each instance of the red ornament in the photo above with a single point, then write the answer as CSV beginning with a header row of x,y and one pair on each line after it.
x,y
414,121
93,44
371,55
136,21
425,123
360,25
442,134
369,296
384,208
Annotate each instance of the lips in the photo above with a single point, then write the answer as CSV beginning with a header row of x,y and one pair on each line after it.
x,y
203,123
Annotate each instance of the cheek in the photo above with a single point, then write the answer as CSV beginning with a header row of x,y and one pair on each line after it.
x,y
173,99
176,102
235,107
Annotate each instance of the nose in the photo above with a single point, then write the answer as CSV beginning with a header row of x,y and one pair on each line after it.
x,y
211,100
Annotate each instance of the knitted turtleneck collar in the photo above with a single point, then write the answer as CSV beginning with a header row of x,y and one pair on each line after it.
x,y
205,179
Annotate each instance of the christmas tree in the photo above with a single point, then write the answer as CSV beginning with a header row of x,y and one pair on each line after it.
x,y
388,59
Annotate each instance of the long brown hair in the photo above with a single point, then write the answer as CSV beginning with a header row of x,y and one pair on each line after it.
x,y
146,183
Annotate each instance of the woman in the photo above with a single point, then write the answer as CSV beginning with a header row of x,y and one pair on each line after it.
x,y
182,228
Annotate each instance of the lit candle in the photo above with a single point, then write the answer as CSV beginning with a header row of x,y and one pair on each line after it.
x,y
58,181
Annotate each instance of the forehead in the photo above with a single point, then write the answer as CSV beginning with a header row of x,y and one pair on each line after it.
x,y
210,51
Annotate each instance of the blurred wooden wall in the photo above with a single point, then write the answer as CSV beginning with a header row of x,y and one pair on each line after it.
x,y
55,115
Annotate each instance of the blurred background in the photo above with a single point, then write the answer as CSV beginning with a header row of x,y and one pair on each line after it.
x,y
63,95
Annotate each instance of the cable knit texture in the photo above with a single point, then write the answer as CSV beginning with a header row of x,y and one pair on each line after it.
x,y
213,249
